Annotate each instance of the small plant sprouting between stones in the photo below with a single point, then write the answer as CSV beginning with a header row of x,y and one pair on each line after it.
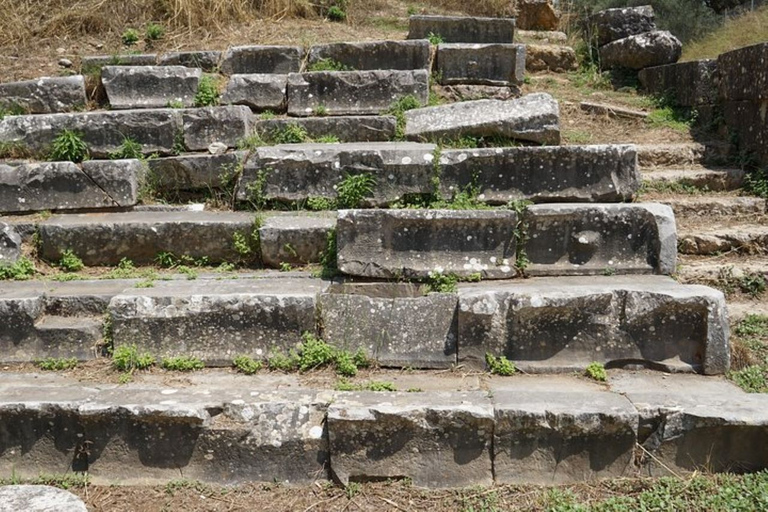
x,y
126,358
57,364
756,183
154,32
752,379
398,109
374,385
21,270
438,282
596,371
328,65
353,189
182,363
328,257
500,365
207,92
69,146
314,353
435,39
320,111
130,37
129,148
520,207
70,262
246,364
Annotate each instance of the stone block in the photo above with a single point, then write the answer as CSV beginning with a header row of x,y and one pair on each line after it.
x,y
344,128
368,55
613,24
10,245
437,439
259,92
749,121
195,171
483,64
92,63
544,57
689,84
208,61
204,126
646,50
244,60
462,29
39,498
563,324
534,118
743,74
294,239
150,86
45,95
119,179
353,92
396,324
412,243
537,15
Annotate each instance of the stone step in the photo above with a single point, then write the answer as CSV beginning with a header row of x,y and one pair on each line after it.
x,y
46,95
462,29
344,128
704,179
230,429
69,337
720,237
480,64
130,87
369,55
721,273
550,57
683,154
709,205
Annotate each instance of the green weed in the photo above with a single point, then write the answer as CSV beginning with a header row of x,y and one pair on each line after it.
x,y
346,385
129,148
182,363
435,39
57,364
246,364
70,262
207,92
353,189
68,146
154,32
499,365
21,270
126,358
328,65
130,37
596,371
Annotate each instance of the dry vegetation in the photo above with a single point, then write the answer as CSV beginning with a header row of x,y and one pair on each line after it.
x,y
746,30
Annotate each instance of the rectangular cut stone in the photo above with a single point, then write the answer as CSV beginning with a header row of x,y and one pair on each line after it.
x,y
563,324
103,132
744,74
119,179
242,60
606,173
150,86
535,118
366,55
748,120
294,238
412,243
396,324
208,61
484,64
562,430
579,239
296,172
461,29
47,95
195,171
216,321
344,128
89,64
353,92
259,92
437,439
106,238
204,126
689,84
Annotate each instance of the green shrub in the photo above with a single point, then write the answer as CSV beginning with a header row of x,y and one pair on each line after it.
x,y
328,65
756,183
182,363
320,203
129,148
753,325
70,262
68,146
596,371
398,109
751,379
314,353
335,13
435,39
21,270
292,133
207,92
500,365
130,37
283,362
753,284
154,32
345,364
437,282
246,364
57,364
320,111
353,189
126,358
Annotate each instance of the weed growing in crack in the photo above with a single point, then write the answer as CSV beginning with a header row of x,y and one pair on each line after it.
x,y
499,365
69,146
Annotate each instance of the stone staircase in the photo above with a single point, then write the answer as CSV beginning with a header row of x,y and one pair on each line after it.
x,y
556,267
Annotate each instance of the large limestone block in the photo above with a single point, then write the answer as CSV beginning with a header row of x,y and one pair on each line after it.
x,y
353,92
547,57
537,15
688,84
39,498
121,180
294,239
10,245
641,51
204,126
484,64
208,61
461,29
344,128
150,86
534,118
365,55
242,60
613,24
195,171
743,73
45,95
412,243
259,91
565,323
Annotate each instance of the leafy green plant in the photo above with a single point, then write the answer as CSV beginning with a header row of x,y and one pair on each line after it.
x,y
207,92
437,282
398,110
751,379
353,189
314,352
129,148
154,32
756,183
337,14
57,364
292,133
21,270
68,146
499,365
328,65
179,146
435,39
277,360
753,284
147,283
14,149
267,114
187,271
175,104
70,262
320,203
285,267
246,364
320,111
126,358
346,385
328,258
327,139
130,37
753,325
596,371
520,207
182,363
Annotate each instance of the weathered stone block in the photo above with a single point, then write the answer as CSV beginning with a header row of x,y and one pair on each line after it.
x,y
39,498
195,171
353,92
10,245
572,239
150,86
437,439
295,239
344,128
544,57
641,51
208,61
535,118
689,84
564,324
217,321
749,121
367,55
462,29
242,60
484,64
613,24
395,324
412,243
119,179
743,74
106,238
543,174
204,126
537,15
259,92
89,64
44,95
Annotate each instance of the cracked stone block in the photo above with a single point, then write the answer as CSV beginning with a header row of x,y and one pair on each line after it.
x,y
242,60
208,61
344,128
563,324
482,64
45,95
412,243
150,86
743,75
195,171
618,23
395,324
119,179
204,126
462,29
294,239
259,91
365,55
690,83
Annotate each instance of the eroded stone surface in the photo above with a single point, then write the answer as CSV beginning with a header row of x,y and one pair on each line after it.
x,y
484,64
749,121
544,57
743,74
645,50
613,24
204,126
38,498
294,239
45,95
344,128
366,55
257,91
10,244
119,179
150,86
537,15
241,60
195,171
688,84
208,61
462,29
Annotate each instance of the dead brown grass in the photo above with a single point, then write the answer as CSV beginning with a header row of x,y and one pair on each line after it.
x,y
477,7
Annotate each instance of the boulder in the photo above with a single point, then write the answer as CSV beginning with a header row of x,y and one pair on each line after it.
x,y
246,60
10,245
259,92
641,51
367,55
45,95
208,61
543,57
294,239
688,84
537,15
204,126
613,24
462,29
743,74
483,64
534,118
38,498
344,128
150,86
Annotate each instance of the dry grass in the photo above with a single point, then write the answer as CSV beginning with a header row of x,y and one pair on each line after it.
x,y
478,7
752,28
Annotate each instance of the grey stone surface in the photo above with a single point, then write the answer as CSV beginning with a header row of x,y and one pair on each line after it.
x,y
684,154
562,430
484,64
365,55
537,15
130,87
344,128
613,24
606,173
412,243
578,239
38,498
216,321
743,74
296,172
454,93
641,51
103,132
204,126
438,439
10,244
689,84
45,95
718,238
353,92
545,57
91,63
241,60
540,36
294,238
121,180
258,91
611,110
748,120
195,171
106,238
534,118
396,324
714,180
208,61
565,323
462,29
